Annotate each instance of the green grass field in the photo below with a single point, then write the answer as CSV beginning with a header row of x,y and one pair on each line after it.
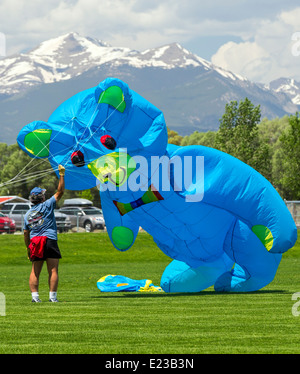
x,y
87,321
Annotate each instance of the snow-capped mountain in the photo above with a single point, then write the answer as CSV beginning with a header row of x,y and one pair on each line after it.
x,y
55,60
191,92
288,86
70,55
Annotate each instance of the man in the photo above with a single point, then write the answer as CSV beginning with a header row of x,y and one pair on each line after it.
x,y
40,236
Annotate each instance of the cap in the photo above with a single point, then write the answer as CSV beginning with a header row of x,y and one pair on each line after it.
x,y
37,191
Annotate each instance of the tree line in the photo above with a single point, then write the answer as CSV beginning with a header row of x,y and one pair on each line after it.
x,y
272,147
19,173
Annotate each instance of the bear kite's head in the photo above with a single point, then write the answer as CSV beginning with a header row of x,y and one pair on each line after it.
x,y
95,133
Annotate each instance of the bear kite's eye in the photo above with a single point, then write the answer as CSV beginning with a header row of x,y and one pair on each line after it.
x,y
108,141
77,158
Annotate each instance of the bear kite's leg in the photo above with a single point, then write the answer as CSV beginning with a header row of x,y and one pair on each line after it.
x,y
254,268
180,277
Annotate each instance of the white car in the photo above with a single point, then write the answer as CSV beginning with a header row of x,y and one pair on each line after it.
x,y
90,218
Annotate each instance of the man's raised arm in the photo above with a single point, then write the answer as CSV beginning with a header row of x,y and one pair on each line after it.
x,y
61,185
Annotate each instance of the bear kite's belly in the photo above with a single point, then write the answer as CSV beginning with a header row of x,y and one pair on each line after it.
x,y
192,232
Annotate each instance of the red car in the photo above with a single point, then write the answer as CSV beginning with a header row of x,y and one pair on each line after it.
x,y
7,224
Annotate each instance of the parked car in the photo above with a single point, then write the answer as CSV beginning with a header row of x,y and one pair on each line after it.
x,y
90,217
7,224
17,211
63,222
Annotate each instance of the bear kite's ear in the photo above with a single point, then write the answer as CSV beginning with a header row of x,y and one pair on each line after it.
x,y
114,92
113,96
46,140
34,139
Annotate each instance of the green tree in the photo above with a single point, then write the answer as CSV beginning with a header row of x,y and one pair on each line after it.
x,y
288,160
238,136
270,130
200,138
174,137
20,173
85,194
269,133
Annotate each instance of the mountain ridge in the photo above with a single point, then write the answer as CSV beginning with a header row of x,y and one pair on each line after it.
x,y
70,55
191,91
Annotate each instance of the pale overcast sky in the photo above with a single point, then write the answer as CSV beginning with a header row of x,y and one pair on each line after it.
x,y
253,38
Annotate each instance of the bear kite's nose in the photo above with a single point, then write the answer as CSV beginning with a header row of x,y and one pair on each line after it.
x,y
114,167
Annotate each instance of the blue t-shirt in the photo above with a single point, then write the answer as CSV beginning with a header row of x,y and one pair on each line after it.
x,y
40,220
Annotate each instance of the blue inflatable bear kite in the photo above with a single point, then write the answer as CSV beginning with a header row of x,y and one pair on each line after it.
x,y
221,222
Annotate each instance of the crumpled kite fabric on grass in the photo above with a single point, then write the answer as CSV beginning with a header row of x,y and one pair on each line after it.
x,y
120,283
232,237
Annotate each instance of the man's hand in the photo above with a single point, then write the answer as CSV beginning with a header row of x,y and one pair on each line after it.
x,y
61,170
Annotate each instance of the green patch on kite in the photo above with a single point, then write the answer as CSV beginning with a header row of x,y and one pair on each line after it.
x,y
37,142
113,96
264,235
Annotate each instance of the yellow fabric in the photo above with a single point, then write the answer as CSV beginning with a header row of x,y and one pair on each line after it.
x,y
149,288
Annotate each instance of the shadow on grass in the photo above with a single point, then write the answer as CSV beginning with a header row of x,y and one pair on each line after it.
x,y
109,295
